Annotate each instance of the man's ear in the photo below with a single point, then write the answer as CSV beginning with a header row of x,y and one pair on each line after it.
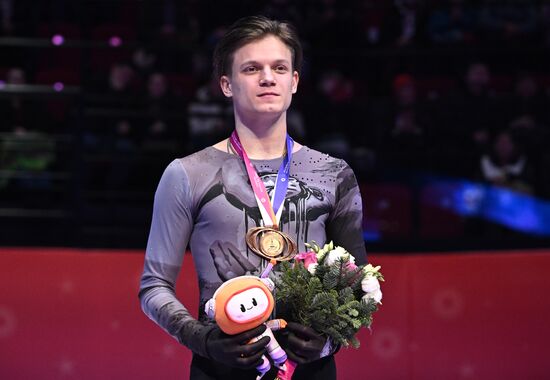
x,y
295,80
225,85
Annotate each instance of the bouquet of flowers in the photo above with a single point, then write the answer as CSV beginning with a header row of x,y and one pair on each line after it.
x,y
325,290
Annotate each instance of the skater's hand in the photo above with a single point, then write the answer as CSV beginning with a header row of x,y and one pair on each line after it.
x,y
234,350
228,260
302,343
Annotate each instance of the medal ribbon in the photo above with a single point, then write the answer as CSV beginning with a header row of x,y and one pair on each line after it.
x,y
271,209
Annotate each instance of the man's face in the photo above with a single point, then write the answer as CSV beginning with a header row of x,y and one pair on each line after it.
x,y
262,80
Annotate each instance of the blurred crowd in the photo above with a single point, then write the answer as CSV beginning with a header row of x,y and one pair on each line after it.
x,y
455,88
376,22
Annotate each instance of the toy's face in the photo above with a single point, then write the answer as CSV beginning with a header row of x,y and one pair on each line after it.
x,y
241,304
250,304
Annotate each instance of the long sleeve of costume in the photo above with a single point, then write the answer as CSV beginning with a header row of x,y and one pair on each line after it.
x,y
171,227
345,224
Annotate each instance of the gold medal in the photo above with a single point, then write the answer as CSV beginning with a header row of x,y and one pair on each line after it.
x,y
271,243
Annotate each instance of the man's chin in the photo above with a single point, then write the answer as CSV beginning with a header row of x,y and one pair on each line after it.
x,y
271,108
264,112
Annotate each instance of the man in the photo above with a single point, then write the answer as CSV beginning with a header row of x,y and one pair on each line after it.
x,y
208,200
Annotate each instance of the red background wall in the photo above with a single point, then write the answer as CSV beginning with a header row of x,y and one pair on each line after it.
x,y
69,313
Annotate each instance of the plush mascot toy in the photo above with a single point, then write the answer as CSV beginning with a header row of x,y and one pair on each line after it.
x,y
243,303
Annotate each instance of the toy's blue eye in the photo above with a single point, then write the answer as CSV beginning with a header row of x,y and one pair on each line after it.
x,y
243,309
254,302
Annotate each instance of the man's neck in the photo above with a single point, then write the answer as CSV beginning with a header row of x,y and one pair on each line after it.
x,y
262,139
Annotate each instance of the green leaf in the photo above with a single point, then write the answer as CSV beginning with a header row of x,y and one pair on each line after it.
x,y
329,301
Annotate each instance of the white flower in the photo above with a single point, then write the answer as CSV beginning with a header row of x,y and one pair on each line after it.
x,y
335,254
376,296
370,284
312,268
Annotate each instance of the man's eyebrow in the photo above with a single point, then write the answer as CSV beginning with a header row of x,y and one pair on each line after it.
x,y
254,62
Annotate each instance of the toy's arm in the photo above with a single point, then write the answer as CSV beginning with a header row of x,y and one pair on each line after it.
x,y
276,324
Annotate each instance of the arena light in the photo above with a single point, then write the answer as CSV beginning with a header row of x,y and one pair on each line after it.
x,y
115,41
58,86
58,39
371,236
518,211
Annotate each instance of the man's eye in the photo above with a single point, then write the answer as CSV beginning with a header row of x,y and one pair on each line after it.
x,y
281,69
250,69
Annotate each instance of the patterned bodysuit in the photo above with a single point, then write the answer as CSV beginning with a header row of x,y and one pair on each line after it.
x,y
205,202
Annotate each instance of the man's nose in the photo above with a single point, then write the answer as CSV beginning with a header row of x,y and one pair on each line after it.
x,y
267,78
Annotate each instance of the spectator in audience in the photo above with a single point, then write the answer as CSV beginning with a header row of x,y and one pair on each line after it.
x,y
506,165
159,97
123,141
472,112
120,82
526,109
200,67
371,14
527,99
406,144
404,22
534,138
333,112
13,109
19,111
143,62
114,138
404,91
401,126
158,134
119,89
118,92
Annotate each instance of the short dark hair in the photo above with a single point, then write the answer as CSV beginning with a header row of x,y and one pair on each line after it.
x,y
250,29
